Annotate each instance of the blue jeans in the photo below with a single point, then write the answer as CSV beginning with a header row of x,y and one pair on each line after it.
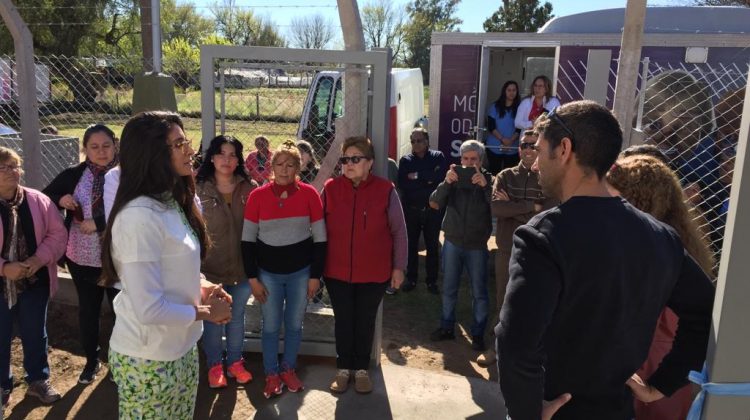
x,y
30,311
286,301
455,258
234,330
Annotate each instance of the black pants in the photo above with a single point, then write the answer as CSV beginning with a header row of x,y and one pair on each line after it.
x,y
499,162
89,305
423,220
355,307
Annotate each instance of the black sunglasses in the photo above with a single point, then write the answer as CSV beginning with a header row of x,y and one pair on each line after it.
x,y
344,160
552,115
525,145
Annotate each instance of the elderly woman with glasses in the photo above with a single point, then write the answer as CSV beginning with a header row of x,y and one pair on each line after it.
x,y
540,100
32,239
79,191
367,253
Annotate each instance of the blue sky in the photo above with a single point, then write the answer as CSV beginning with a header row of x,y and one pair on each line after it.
x,y
472,12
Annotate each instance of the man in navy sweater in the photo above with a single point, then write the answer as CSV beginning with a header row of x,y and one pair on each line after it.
x,y
588,280
419,173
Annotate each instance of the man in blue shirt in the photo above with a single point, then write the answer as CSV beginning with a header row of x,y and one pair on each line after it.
x,y
419,173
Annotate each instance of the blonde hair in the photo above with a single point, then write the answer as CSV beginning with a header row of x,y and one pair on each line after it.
x,y
287,148
652,187
7,154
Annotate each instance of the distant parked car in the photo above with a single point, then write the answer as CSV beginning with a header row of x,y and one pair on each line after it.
x,y
4,129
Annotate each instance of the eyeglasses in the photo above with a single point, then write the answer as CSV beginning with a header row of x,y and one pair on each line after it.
x,y
525,145
344,160
180,145
556,118
417,141
9,168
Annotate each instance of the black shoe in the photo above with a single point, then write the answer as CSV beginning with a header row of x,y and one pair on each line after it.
x,y
441,334
432,288
477,343
89,372
408,286
390,290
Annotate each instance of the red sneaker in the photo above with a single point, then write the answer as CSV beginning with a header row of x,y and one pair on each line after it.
x,y
291,380
216,378
237,370
273,386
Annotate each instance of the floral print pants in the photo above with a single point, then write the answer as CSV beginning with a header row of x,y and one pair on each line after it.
x,y
152,389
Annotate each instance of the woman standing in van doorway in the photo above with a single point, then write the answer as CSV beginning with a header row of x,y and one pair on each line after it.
x,y
537,103
502,138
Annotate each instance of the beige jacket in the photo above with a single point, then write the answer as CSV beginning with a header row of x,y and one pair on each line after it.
x,y
223,262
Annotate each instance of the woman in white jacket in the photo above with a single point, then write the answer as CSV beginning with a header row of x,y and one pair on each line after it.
x,y
153,245
536,104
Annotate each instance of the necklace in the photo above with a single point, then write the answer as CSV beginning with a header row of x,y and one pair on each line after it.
x,y
282,192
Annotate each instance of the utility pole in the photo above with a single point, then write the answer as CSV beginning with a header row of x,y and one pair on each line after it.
x,y
147,36
26,77
627,67
352,123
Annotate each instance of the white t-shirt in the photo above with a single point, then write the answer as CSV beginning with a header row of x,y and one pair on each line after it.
x,y
158,261
111,182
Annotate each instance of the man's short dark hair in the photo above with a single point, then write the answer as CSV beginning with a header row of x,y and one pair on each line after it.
x,y
646,150
530,133
597,137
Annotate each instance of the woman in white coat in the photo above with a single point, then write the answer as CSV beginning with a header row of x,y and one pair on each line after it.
x,y
536,104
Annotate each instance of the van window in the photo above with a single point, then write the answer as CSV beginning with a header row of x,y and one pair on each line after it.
x,y
338,104
318,117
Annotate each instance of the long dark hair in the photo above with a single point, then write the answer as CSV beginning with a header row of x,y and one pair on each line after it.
x,y
500,102
207,168
146,170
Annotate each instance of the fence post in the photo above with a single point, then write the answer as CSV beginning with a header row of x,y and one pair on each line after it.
x,y
627,67
26,76
729,344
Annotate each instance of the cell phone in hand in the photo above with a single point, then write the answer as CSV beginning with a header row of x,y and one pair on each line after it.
x,y
78,213
465,173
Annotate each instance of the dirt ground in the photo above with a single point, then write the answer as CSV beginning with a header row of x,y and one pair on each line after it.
x,y
408,319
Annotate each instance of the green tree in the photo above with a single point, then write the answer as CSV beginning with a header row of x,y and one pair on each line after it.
x,y
242,27
383,26
519,16
426,17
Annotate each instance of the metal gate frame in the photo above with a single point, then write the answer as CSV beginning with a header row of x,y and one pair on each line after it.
x,y
377,100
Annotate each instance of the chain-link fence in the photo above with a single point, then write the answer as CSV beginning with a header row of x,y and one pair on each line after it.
x,y
278,100
692,112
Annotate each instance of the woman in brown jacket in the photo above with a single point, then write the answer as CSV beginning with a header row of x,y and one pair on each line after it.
x,y
223,187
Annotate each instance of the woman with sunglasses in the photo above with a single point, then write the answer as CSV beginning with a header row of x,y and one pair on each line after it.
x,y
79,191
283,249
223,187
367,253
